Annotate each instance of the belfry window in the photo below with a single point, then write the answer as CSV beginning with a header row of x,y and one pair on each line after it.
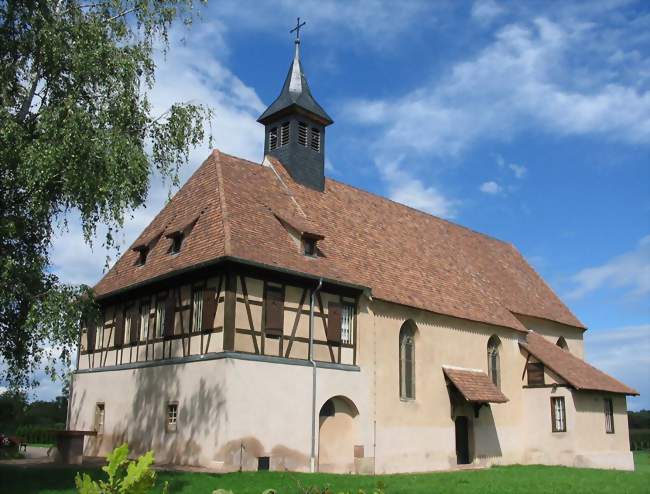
x,y
273,138
302,133
494,370
284,134
315,139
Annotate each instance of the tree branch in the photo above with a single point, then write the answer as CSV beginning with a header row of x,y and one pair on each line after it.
x,y
27,104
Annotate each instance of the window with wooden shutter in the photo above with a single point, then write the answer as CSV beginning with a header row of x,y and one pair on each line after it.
x,y
209,308
170,314
135,325
535,372
91,335
334,310
119,327
197,309
274,310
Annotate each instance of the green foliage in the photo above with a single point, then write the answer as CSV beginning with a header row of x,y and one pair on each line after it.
x,y
639,420
39,433
77,133
124,476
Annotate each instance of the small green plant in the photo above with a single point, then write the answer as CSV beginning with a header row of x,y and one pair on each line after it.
x,y
124,476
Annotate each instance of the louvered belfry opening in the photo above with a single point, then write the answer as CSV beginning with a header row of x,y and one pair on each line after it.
x,y
295,128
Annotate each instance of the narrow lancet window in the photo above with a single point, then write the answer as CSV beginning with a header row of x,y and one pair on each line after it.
x,y
407,361
494,370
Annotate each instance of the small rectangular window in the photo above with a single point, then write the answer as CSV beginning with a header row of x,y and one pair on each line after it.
x,y
273,138
99,343
144,321
142,256
309,246
535,372
197,309
99,418
315,139
263,463
558,414
302,134
609,416
160,317
172,417
177,243
347,323
284,134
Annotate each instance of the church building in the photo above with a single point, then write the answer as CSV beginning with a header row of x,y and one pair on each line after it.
x,y
270,317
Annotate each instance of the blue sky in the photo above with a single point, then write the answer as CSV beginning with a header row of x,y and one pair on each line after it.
x,y
529,121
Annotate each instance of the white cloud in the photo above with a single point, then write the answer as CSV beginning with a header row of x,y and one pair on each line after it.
x,y
406,189
630,271
191,71
491,188
522,80
625,354
519,170
486,11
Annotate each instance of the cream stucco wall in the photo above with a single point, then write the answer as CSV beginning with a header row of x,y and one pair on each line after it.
x,y
264,403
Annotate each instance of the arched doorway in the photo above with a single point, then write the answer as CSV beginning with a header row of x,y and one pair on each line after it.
x,y
338,434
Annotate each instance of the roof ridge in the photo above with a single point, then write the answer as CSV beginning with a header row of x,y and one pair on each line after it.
x,y
216,155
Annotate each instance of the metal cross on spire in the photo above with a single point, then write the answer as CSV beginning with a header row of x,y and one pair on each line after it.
x,y
297,29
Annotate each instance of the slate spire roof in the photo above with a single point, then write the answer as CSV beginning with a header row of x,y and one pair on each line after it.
x,y
295,95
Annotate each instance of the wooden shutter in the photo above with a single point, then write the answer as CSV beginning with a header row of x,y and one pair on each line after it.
x,y
274,311
91,335
535,371
119,326
209,308
334,310
170,314
135,324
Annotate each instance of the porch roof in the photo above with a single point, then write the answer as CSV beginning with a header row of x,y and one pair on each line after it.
x,y
475,385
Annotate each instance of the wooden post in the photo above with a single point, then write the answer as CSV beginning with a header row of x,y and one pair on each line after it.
x,y
230,305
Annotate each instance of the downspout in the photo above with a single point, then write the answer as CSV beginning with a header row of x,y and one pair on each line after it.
x,y
312,458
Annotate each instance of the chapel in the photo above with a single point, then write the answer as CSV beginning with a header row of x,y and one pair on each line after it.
x,y
270,317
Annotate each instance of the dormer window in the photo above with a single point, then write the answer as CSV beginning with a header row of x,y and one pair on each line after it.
x,y
315,140
284,134
273,138
142,255
177,243
302,133
309,246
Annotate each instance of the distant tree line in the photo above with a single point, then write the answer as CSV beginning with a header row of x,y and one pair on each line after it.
x,y
639,424
32,421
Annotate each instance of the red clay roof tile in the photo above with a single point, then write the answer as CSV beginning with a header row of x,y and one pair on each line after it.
x,y
474,385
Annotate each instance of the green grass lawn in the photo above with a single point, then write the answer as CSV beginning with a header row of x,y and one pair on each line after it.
x,y
526,479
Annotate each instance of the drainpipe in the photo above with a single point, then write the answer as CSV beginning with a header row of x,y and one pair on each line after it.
x,y
312,298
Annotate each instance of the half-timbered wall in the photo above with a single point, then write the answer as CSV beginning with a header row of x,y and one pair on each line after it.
x,y
149,334
141,329
251,335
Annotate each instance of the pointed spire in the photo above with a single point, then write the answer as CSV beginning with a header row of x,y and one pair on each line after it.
x,y
295,92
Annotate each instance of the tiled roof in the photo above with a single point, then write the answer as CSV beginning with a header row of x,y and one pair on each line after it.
x,y
575,371
474,385
401,254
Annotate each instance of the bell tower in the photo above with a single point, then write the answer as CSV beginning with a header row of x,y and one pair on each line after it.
x,y
295,126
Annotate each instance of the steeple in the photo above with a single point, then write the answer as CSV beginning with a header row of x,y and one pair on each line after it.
x,y
295,126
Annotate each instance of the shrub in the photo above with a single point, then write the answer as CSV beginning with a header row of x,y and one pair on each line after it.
x,y
124,476
38,433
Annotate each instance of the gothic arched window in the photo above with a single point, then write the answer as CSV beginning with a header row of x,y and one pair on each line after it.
x,y
561,342
407,361
493,347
